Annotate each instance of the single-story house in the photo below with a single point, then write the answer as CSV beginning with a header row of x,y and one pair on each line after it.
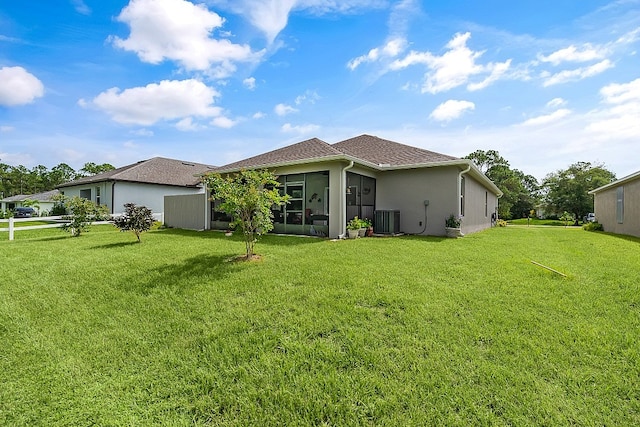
x,y
44,201
402,189
617,205
144,183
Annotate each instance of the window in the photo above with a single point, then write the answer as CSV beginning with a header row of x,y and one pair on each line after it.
x,y
98,196
620,205
486,204
86,194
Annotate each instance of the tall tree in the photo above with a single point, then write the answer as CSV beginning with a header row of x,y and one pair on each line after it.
x,y
568,189
247,197
60,174
520,191
90,169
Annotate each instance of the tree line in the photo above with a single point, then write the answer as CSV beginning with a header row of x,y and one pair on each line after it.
x,y
565,190
16,180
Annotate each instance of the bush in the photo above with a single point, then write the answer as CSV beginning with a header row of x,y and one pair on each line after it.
x,y
593,226
135,218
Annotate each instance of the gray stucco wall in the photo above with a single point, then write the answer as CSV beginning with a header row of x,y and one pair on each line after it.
x,y
477,198
406,191
188,211
605,209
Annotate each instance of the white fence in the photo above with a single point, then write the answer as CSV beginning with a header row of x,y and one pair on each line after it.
x,y
54,221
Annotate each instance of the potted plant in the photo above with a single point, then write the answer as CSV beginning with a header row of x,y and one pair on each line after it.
x,y
353,227
363,228
368,226
452,226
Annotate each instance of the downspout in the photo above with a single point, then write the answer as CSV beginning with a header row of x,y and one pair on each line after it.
x,y
343,199
460,187
113,196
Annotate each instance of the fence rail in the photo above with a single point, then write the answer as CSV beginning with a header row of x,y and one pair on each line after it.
x,y
54,222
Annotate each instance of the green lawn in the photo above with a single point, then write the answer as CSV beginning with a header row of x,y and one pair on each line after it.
x,y
98,330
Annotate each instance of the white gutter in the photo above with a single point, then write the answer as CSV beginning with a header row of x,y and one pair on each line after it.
x,y
343,199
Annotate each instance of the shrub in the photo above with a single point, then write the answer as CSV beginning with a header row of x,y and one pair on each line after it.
x,y
82,213
593,226
135,218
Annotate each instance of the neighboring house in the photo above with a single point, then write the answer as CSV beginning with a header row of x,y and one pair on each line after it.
x,y
44,201
401,188
617,205
144,183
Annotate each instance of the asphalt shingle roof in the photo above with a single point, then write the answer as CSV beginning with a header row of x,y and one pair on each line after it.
x,y
384,152
158,170
312,150
47,196
366,148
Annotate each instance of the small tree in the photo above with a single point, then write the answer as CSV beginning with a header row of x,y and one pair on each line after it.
x,y
567,218
81,213
135,218
247,197
32,203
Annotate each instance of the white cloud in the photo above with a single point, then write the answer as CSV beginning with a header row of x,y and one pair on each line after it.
x,y
547,118
81,7
224,122
619,93
142,132
179,31
391,49
556,102
167,100
620,119
309,96
451,109
454,68
6,128
577,74
250,83
302,129
272,16
18,86
259,115
573,54
283,109
187,125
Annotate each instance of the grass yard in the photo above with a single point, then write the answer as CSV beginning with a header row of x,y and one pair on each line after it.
x,y
98,330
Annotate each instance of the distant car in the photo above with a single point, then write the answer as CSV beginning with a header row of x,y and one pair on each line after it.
x,y
24,212
591,217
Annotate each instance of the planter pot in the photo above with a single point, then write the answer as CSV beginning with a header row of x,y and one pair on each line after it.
x,y
352,234
369,232
454,232
228,233
362,232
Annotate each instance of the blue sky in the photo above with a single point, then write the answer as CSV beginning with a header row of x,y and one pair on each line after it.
x,y
546,83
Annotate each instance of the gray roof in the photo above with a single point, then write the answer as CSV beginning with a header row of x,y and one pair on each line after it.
x,y
47,196
365,149
157,170
388,153
311,150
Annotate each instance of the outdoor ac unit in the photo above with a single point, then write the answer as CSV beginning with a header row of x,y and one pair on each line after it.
x,y
386,222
